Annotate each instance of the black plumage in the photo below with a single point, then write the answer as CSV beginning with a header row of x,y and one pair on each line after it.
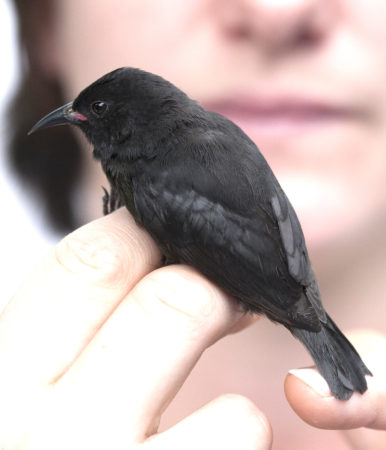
x,y
207,196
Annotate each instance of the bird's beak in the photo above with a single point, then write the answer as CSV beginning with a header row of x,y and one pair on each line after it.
x,y
61,116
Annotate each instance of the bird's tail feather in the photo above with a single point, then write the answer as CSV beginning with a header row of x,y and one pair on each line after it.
x,y
336,359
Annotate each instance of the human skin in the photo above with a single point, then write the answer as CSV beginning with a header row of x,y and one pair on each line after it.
x,y
94,360
332,165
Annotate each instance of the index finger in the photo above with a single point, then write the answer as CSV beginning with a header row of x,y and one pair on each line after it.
x,y
70,295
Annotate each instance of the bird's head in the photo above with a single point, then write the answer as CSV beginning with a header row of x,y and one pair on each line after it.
x,y
120,112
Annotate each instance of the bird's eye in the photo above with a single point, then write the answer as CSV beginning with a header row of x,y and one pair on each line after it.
x,y
99,108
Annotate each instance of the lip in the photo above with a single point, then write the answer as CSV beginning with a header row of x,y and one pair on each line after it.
x,y
281,116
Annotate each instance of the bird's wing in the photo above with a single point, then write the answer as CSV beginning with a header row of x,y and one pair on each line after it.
x,y
295,249
233,231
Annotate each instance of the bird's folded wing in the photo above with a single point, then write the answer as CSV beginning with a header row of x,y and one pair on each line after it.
x,y
242,253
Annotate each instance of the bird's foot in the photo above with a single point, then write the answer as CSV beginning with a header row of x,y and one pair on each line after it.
x,y
110,201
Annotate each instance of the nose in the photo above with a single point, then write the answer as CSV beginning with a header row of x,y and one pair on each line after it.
x,y
277,24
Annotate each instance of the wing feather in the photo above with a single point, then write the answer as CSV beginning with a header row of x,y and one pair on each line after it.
x,y
230,219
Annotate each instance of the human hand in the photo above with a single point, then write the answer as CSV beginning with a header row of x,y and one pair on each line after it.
x,y
96,343
363,416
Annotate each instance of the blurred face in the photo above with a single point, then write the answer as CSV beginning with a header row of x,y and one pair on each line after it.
x,y
304,78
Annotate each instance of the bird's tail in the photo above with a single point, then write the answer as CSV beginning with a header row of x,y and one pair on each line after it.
x,y
336,359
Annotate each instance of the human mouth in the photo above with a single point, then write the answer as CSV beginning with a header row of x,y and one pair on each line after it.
x,y
284,116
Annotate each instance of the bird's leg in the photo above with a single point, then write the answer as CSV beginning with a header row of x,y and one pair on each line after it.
x,y
115,200
105,202
111,201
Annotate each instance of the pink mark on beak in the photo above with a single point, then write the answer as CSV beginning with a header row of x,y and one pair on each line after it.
x,y
79,116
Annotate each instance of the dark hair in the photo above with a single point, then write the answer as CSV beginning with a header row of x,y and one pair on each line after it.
x,y
51,162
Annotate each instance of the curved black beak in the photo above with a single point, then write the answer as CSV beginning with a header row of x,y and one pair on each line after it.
x,y
61,116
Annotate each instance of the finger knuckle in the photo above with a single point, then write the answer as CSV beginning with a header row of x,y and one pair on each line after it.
x,y
94,257
183,291
186,294
246,419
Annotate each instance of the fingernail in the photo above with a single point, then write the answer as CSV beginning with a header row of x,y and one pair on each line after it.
x,y
313,379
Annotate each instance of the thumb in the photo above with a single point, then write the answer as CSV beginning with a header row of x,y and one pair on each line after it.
x,y
310,397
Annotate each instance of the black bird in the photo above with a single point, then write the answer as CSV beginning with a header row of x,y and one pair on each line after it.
x,y
199,185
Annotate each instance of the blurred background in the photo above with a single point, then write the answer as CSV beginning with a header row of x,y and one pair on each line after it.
x,y
24,236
